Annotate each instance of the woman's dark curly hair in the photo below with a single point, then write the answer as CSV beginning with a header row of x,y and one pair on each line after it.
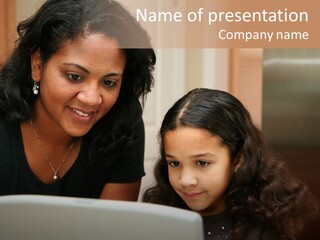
x,y
262,188
60,21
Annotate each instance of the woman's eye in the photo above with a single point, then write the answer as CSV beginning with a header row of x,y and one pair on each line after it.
x,y
173,163
202,163
109,83
74,77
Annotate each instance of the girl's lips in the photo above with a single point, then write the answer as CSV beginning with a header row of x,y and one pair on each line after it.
x,y
192,195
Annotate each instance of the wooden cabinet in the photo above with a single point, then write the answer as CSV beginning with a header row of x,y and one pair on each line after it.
x,y
7,27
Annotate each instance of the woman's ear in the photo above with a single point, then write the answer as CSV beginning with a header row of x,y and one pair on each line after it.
x,y
36,66
238,162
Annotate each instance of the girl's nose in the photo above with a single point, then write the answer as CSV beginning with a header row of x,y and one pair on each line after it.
x,y
188,178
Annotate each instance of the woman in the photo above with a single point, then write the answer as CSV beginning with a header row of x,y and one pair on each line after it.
x,y
71,120
214,161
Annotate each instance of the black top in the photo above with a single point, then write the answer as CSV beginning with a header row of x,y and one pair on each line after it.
x,y
218,227
81,180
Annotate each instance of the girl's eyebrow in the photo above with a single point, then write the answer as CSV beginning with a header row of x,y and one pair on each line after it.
x,y
169,156
113,74
201,155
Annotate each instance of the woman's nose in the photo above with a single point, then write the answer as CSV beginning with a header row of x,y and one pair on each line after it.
x,y
90,95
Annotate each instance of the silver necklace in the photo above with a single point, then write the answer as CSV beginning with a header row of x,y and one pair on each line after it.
x,y
55,177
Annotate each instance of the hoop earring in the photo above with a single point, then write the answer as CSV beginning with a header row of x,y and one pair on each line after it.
x,y
35,88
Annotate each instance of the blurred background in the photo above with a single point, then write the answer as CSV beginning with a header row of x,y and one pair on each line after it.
x,y
291,114
280,88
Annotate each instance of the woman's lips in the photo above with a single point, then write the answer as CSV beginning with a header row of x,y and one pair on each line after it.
x,y
80,113
82,116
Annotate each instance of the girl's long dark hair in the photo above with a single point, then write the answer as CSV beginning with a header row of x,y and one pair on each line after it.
x,y
262,188
60,21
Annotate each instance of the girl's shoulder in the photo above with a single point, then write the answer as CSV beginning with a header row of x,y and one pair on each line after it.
x,y
261,231
217,226
220,226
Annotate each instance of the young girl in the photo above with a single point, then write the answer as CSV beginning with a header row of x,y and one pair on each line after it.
x,y
214,161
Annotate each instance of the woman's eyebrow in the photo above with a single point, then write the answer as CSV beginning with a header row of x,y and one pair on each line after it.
x,y
113,74
77,66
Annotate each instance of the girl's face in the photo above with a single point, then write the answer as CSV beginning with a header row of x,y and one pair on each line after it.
x,y
199,168
79,84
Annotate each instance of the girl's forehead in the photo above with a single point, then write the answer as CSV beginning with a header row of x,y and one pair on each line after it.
x,y
192,132
192,137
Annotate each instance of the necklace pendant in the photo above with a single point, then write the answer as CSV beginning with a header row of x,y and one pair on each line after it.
x,y
55,177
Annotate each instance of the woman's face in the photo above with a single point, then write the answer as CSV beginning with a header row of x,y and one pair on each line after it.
x,y
199,168
79,84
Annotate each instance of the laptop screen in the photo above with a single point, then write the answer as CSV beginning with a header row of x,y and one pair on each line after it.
x,y
49,217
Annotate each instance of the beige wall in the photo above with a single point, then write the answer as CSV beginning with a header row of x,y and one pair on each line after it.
x,y
26,8
246,72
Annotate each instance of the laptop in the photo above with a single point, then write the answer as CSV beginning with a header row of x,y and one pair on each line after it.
x,y
51,217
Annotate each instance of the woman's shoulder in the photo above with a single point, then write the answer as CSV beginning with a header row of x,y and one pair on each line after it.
x,y
9,130
139,126
3,123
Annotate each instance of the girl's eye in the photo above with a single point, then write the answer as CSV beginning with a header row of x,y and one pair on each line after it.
x,y
202,163
74,77
109,83
173,163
